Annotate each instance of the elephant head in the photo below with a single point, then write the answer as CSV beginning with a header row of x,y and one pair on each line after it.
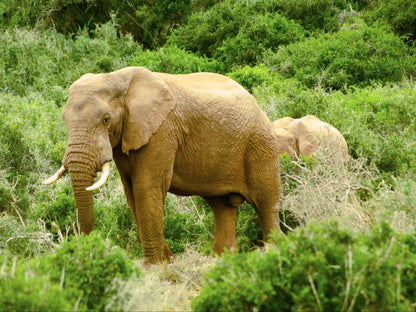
x,y
304,135
294,137
282,122
104,110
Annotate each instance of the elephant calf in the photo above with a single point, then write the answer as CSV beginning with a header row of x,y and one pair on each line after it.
x,y
196,134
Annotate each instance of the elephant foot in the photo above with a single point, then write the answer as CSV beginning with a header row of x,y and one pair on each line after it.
x,y
163,255
219,247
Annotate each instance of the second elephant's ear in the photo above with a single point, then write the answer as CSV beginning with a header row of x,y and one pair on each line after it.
x,y
149,100
306,140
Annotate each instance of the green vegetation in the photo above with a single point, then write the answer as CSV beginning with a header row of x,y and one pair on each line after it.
x,y
78,275
351,226
317,269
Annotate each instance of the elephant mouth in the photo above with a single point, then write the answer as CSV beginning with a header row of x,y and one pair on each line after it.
x,y
105,172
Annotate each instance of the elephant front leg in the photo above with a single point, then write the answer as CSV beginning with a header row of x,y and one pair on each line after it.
x,y
225,216
148,213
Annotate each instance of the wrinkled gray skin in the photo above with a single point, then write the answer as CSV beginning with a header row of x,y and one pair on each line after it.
x,y
197,134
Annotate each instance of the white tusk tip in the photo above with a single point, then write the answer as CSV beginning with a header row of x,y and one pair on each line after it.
x,y
104,176
55,177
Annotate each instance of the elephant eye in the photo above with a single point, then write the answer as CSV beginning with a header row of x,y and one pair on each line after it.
x,y
106,119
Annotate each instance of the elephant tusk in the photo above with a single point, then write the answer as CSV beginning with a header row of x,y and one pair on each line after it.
x,y
104,176
55,177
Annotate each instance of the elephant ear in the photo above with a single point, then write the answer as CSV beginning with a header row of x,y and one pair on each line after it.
x,y
286,141
149,101
306,140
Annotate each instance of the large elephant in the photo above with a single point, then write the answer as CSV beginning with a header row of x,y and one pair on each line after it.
x,y
303,136
196,134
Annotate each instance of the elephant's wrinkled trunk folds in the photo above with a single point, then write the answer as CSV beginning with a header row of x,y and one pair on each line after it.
x,y
105,172
82,172
83,199
81,161
104,176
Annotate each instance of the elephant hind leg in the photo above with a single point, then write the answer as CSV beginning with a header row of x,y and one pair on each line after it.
x,y
225,214
268,217
263,189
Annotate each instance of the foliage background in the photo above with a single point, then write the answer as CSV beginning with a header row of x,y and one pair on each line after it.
x,y
350,63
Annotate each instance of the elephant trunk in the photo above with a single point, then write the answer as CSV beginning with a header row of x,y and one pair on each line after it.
x,y
81,163
83,200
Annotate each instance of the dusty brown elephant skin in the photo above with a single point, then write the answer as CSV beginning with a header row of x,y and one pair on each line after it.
x,y
196,134
303,136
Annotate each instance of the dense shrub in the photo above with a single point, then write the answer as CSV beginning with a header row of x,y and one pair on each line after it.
x,y
155,19
231,30
318,16
257,34
32,138
29,132
21,238
250,77
356,56
174,60
85,266
395,204
113,218
315,15
399,15
60,211
25,289
377,122
39,61
149,22
317,268
76,277
380,125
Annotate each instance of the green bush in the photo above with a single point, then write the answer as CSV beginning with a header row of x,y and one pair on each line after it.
x,y
318,268
77,277
250,77
25,239
378,123
315,15
398,15
154,20
358,56
258,34
60,211
85,267
320,16
187,222
30,140
113,218
174,60
149,22
25,289
15,151
48,63
236,32
395,204
7,196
